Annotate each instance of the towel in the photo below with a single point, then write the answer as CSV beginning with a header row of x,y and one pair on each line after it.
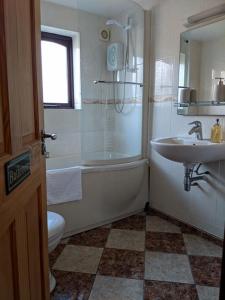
x,y
64,185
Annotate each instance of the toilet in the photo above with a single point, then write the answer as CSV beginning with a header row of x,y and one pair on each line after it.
x,y
56,225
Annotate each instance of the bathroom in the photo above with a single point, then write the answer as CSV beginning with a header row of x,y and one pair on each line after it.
x,y
112,144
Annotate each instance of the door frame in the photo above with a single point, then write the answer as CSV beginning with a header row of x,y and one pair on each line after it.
x,y
222,282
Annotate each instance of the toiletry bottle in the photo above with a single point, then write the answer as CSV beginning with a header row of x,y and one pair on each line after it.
x,y
216,133
193,96
220,90
184,95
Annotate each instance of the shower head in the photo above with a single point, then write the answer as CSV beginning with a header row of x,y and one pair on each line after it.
x,y
112,22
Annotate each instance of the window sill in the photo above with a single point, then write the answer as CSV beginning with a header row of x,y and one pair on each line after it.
x,y
46,106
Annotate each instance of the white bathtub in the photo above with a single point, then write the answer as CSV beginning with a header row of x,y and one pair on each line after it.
x,y
106,158
110,192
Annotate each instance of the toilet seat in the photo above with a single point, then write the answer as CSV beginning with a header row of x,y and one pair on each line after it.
x,y
56,225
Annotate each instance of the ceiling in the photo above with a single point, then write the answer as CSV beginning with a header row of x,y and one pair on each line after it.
x,y
107,8
148,4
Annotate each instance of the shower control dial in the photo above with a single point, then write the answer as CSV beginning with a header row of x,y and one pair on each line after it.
x,y
115,57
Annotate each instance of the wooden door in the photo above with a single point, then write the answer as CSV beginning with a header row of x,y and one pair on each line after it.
x,y
23,226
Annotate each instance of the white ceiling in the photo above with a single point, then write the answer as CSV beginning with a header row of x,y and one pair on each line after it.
x,y
148,4
107,8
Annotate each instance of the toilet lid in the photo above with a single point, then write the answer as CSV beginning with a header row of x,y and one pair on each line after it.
x,y
56,224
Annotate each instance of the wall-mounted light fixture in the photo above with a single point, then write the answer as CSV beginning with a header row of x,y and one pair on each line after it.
x,y
207,14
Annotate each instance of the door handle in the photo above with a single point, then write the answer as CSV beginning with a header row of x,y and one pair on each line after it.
x,y
51,136
45,136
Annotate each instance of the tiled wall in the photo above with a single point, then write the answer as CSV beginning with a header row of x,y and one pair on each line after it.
x,y
96,128
128,127
202,207
93,49
67,123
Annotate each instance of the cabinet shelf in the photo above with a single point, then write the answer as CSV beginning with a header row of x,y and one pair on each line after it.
x,y
200,103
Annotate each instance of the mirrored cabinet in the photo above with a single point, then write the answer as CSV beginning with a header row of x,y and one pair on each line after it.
x,y
201,88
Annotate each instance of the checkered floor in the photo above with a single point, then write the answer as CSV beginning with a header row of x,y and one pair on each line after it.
x,y
140,257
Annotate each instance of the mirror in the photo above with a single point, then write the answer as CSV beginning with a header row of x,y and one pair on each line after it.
x,y
202,70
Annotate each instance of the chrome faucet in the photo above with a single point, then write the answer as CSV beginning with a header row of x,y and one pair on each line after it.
x,y
197,129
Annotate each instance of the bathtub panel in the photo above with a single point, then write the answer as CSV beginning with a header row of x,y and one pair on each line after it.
x,y
108,195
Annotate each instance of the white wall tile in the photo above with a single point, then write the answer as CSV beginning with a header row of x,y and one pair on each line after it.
x,y
97,127
202,207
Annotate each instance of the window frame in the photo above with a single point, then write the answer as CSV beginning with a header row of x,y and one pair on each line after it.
x,y
66,41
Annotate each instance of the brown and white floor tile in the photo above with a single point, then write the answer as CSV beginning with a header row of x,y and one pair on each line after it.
x,y
206,270
167,267
55,254
165,242
208,293
156,290
196,245
136,222
157,224
122,263
107,226
65,241
93,238
72,285
112,288
79,259
140,257
142,213
188,229
126,239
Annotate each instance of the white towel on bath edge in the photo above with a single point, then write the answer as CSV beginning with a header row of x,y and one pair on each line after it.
x,y
64,185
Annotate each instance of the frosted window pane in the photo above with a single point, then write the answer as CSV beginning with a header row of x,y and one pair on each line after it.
x,y
54,72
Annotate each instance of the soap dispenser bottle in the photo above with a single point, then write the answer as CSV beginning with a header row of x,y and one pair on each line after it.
x,y
220,90
216,133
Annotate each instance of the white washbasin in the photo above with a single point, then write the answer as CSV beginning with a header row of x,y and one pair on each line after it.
x,y
188,150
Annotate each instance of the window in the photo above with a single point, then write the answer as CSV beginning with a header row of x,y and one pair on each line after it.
x,y
57,70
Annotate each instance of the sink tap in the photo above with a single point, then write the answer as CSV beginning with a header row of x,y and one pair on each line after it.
x,y
197,129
